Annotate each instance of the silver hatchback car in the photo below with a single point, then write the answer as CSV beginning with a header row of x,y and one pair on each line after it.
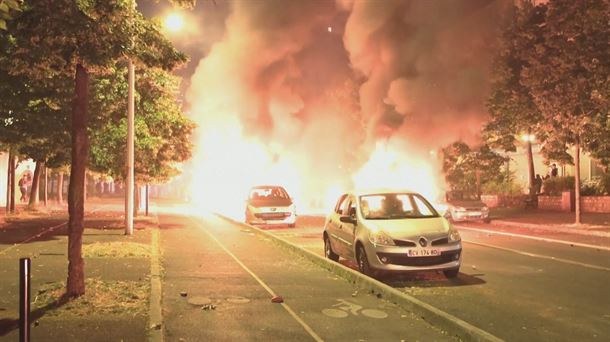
x,y
389,230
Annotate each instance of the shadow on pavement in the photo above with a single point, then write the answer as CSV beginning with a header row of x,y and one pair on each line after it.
x,y
7,325
29,230
431,279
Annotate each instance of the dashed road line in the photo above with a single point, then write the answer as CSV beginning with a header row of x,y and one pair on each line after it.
x,y
566,261
261,282
537,238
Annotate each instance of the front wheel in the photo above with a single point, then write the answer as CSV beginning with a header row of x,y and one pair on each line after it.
x,y
451,273
328,250
363,262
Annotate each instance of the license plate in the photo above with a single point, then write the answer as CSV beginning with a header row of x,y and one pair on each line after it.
x,y
423,252
474,214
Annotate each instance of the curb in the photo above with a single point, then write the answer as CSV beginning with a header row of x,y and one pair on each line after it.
x,y
155,315
458,327
553,228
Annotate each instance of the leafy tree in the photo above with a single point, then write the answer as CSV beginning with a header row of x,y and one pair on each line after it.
x,y
568,76
77,39
468,170
162,130
8,9
514,113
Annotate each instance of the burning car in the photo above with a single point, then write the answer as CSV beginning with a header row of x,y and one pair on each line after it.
x,y
463,206
388,230
270,205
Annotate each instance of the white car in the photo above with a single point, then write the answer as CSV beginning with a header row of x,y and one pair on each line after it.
x,y
270,205
391,230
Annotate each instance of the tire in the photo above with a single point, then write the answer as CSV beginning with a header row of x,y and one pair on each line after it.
x,y
328,250
363,262
452,273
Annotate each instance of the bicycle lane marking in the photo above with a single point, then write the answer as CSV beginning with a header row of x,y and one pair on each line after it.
x,y
260,281
41,233
564,242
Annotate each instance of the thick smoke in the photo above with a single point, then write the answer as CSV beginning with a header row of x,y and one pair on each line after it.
x,y
426,65
319,83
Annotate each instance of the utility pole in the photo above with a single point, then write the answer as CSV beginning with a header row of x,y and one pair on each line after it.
x,y
130,148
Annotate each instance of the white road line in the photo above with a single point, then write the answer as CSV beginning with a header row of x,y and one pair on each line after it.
x,y
564,242
571,262
262,283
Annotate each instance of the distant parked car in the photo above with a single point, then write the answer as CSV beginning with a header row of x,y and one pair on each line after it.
x,y
391,230
463,206
270,205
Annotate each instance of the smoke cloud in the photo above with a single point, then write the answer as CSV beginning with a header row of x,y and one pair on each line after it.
x,y
309,88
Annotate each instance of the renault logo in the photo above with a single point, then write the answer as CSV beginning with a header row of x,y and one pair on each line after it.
x,y
423,242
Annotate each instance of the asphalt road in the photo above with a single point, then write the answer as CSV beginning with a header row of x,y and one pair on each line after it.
x,y
220,278
519,285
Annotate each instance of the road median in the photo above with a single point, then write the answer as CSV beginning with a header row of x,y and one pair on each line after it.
x,y
437,317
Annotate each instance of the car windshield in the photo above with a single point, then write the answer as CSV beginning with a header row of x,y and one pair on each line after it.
x,y
268,193
395,206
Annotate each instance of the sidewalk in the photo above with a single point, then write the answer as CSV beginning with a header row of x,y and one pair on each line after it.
x,y
593,224
117,269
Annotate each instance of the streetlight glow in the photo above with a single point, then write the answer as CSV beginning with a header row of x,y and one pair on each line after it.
x,y
528,137
174,22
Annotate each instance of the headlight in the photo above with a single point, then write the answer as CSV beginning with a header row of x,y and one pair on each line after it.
x,y
485,209
292,208
454,235
381,238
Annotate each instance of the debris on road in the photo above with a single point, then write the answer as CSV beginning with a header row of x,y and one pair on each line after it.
x,y
183,294
277,299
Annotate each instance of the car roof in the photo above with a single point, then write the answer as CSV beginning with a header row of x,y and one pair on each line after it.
x,y
374,191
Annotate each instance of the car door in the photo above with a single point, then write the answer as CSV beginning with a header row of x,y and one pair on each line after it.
x,y
346,231
333,224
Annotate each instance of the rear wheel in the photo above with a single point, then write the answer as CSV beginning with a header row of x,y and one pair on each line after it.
x,y
328,250
452,273
363,262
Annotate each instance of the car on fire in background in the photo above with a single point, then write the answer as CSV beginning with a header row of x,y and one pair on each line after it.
x,y
270,205
393,231
460,206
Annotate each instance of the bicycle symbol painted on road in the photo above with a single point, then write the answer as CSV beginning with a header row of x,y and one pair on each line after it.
x,y
345,308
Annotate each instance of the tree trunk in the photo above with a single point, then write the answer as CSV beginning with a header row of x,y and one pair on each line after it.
x,y
577,179
136,200
13,166
46,186
8,182
76,200
35,191
60,188
530,166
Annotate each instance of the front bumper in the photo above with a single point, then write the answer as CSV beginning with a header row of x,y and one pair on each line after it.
x,y
461,216
396,258
261,219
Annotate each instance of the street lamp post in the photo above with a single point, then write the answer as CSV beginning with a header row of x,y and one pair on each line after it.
x,y
130,150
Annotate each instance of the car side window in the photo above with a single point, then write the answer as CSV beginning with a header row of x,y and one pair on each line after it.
x,y
340,204
352,207
349,207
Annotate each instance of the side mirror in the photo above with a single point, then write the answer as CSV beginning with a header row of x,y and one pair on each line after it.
x,y
347,219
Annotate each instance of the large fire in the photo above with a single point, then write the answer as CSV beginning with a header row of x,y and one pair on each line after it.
x,y
230,164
